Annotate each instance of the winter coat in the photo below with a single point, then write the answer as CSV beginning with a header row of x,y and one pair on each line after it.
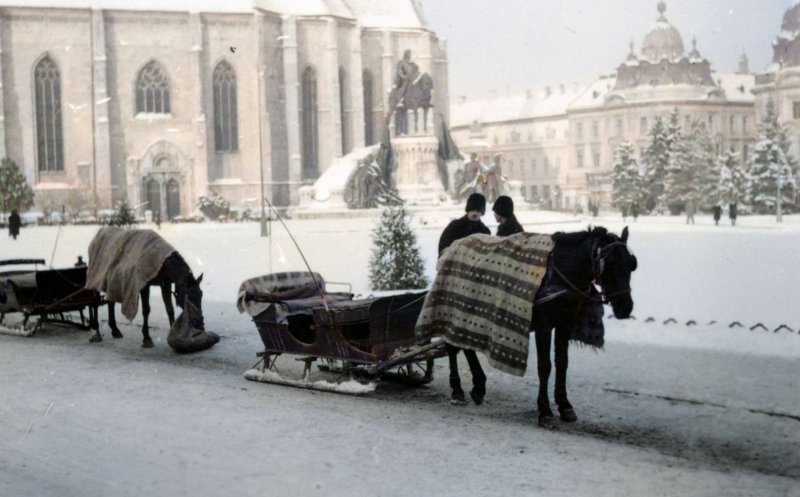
x,y
460,228
14,222
732,211
509,227
717,212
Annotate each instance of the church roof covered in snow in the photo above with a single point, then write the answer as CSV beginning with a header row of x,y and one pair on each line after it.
x,y
786,47
538,103
662,41
368,13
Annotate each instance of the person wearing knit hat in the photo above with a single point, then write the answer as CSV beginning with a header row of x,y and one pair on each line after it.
x,y
504,214
469,224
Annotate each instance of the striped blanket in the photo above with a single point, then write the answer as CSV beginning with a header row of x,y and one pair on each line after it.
x,y
482,296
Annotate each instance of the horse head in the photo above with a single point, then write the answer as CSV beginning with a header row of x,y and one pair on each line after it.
x,y
612,265
189,296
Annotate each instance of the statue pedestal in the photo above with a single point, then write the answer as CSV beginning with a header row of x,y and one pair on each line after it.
x,y
417,176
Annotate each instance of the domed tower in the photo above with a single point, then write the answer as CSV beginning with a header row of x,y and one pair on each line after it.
x,y
663,61
663,41
786,47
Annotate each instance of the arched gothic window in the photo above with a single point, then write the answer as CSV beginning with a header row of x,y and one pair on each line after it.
x,y
343,109
152,90
310,125
367,83
49,134
226,123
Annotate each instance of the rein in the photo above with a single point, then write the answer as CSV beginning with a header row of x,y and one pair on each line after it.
x,y
602,253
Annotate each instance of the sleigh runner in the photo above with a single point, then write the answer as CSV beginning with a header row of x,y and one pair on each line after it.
x,y
361,340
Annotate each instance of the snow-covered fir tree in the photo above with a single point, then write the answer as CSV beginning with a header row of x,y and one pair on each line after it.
x,y
656,158
691,171
395,263
770,165
730,186
627,184
15,193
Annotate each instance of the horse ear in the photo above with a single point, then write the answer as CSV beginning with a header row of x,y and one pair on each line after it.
x,y
624,236
200,278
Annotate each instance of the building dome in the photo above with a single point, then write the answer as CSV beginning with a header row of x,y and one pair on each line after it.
x,y
663,41
791,19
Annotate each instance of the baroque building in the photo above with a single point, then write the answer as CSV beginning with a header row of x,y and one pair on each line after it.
x,y
159,102
780,82
559,142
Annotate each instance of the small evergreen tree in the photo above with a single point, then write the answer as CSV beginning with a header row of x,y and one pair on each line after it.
x,y
730,186
124,217
15,193
627,184
395,262
770,165
657,156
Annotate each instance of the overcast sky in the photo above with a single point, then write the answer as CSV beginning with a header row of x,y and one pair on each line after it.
x,y
511,45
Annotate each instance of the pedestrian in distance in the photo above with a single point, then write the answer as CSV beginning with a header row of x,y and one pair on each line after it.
x,y
691,208
463,227
634,211
14,223
624,210
503,209
717,214
732,213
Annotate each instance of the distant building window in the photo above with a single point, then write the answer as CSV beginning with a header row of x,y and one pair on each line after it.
x,y
795,110
643,126
49,133
579,159
595,130
711,122
152,90
620,127
546,166
732,124
344,94
744,124
579,131
226,114
596,159
533,166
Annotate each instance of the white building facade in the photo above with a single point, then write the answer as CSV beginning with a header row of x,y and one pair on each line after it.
x,y
159,102
559,142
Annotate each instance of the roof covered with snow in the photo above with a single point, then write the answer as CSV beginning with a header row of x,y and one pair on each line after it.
x,y
369,13
537,103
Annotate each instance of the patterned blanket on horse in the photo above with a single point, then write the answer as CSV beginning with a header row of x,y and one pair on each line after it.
x,y
482,296
122,262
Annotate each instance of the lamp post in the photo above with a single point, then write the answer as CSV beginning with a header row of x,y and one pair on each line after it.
x,y
778,199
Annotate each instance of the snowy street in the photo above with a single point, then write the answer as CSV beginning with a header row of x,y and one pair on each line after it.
x,y
668,408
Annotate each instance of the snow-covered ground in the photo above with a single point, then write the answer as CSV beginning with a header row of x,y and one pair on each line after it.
x,y
668,408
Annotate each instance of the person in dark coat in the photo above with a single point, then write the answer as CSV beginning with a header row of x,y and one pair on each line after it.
x,y
732,213
14,222
717,214
504,214
463,227
634,211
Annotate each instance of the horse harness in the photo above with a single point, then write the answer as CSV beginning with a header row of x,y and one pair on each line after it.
x,y
598,266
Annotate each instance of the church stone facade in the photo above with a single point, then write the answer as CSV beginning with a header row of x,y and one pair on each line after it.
x,y
161,102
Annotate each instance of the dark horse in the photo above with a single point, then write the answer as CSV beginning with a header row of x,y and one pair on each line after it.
x,y
122,264
578,261
418,96
188,297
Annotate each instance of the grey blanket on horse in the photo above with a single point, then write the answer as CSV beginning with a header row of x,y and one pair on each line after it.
x,y
482,296
122,262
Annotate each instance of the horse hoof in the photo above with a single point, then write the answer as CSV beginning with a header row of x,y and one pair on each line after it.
x,y
95,338
147,344
567,415
476,397
458,399
116,333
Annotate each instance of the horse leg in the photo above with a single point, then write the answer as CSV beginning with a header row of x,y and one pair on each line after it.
x,y
166,294
147,342
543,367
565,410
478,377
94,323
112,321
457,397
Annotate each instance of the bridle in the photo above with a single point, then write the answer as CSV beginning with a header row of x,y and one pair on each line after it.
x,y
598,256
